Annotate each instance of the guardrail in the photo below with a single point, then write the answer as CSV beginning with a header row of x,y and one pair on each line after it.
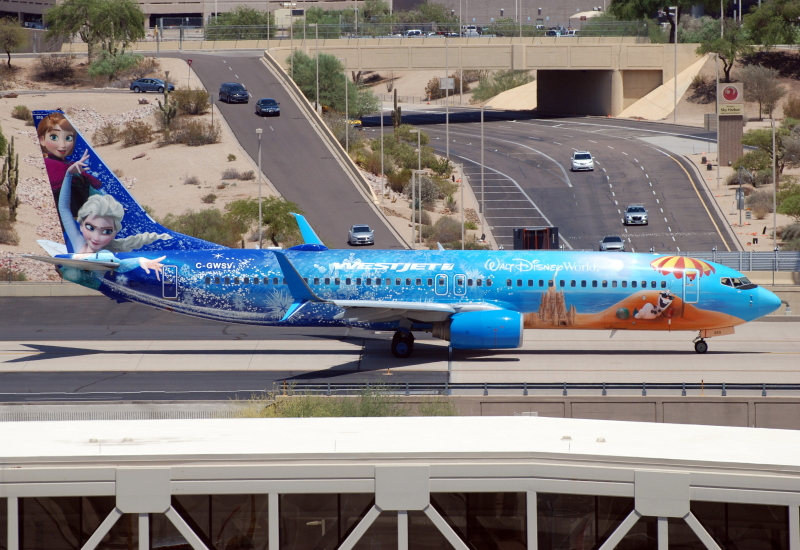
x,y
751,260
496,388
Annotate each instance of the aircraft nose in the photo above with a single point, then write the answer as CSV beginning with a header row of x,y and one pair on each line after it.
x,y
767,302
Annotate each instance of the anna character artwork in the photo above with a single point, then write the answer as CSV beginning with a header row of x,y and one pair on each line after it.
x,y
57,138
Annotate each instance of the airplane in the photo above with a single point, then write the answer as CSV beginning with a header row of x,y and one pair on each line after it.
x,y
475,299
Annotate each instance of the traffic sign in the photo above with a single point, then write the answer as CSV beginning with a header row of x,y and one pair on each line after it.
x,y
189,61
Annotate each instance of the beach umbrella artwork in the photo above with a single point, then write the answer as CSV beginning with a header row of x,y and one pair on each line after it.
x,y
677,265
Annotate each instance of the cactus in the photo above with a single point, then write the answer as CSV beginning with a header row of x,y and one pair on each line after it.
x,y
168,111
397,116
9,177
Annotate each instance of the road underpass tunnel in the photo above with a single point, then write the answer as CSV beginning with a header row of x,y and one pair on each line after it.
x,y
591,92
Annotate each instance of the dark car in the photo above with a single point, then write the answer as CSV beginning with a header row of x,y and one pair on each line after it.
x,y
233,92
268,107
150,85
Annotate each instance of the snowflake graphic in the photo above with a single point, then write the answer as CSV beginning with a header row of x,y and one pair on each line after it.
x,y
277,302
122,279
218,255
238,302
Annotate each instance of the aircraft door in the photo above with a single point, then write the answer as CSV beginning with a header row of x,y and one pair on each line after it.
x,y
460,285
691,286
441,285
169,282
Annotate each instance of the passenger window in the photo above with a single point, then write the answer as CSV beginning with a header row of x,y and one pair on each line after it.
x,y
388,281
663,284
594,284
479,282
652,284
208,280
378,281
358,280
573,283
541,282
562,283
469,282
519,282
398,282
236,280
488,282
419,282
327,280
508,282
408,282
316,280
644,284
624,284
337,281
605,284
583,284
633,284
348,281
216,280
550,283
530,282
255,281
274,280
227,280
247,280
613,284
369,281
460,282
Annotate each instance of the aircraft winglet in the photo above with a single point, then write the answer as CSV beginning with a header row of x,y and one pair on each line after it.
x,y
299,289
309,237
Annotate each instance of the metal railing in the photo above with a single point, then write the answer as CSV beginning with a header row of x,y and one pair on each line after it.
x,y
751,260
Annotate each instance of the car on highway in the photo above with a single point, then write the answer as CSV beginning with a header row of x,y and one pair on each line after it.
x,y
150,85
233,92
268,107
361,234
612,243
582,160
354,122
635,214
413,33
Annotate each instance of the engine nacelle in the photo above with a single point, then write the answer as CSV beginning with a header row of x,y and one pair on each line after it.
x,y
493,329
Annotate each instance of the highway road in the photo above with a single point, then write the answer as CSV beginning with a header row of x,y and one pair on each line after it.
x,y
293,156
528,182
86,348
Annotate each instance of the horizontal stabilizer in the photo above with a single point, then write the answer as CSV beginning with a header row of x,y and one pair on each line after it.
x,y
88,265
52,248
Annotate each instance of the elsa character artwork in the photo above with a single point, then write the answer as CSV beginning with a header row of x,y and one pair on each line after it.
x,y
99,220
57,139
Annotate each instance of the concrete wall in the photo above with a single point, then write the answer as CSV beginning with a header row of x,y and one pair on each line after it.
x,y
637,84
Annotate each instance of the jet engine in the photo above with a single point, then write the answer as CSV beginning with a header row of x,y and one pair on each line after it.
x,y
492,329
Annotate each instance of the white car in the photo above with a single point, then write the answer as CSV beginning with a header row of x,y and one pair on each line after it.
x,y
635,214
582,160
361,234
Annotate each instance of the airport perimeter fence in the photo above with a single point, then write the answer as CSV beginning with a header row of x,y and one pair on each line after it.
x,y
751,260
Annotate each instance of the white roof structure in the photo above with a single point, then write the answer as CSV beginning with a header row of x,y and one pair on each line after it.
x,y
144,463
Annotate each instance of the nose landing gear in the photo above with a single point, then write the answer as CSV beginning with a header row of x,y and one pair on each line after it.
x,y
402,344
700,345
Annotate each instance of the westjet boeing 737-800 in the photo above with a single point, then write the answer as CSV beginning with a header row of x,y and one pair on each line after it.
x,y
474,299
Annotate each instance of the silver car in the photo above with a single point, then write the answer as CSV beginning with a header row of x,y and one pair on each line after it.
x,y
582,160
612,243
635,214
361,234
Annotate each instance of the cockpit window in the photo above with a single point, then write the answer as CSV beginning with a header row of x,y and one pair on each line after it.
x,y
737,282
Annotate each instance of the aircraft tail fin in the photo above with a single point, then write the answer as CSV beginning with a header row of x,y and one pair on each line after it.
x,y
92,189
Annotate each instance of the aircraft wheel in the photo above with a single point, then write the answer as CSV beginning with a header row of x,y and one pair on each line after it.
x,y
701,346
402,344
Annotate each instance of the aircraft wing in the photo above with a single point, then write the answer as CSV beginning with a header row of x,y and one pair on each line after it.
x,y
373,311
88,265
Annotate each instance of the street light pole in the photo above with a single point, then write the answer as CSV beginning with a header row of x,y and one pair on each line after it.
x,y
316,51
446,102
463,181
774,193
346,109
383,173
418,173
260,218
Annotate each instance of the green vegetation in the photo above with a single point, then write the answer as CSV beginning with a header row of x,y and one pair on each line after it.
x,y
243,23
21,112
12,35
500,82
209,225
789,201
110,25
303,69
731,47
112,64
191,102
372,402
773,22
280,226
761,85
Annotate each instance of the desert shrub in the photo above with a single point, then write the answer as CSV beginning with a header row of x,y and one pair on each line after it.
x,y
451,204
441,166
230,174
473,244
194,132
500,82
145,67
191,180
425,218
791,109
446,188
222,185
471,225
760,203
791,246
790,232
247,176
21,112
209,225
191,102
136,132
397,180
433,91
112,65
372,162
107,134
10,274
8,235
427,230
55,67
3,143
428,191
209,199
446,230
698,81
231,157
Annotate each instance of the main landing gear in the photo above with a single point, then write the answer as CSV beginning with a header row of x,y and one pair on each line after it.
x,y
402,344
700,345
